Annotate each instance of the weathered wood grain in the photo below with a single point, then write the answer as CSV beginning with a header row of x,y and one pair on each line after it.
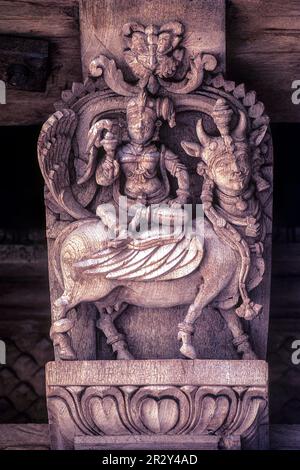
x,y
153,372
57,22
206,16
36,437
263,50
285,437
24,437
40,18
163,398
146,442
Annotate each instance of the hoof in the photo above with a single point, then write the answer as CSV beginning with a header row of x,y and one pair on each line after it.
x,y
188,351
62,342
124,355
67,354
60,326
249,355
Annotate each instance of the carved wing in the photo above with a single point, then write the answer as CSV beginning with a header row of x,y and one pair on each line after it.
x,y
146,259
54,148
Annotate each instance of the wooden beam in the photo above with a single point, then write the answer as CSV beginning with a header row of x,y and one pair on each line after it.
x,y
40,18
24,63
36,437
204,22
24,437
263,50
56,22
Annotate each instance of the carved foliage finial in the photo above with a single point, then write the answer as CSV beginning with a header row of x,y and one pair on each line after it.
x,y
156,108
222,114
153,50
156,58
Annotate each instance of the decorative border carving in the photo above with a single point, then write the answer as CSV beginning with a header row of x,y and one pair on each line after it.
x,y
156,410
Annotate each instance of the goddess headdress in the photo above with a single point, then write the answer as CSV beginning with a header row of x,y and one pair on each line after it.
x,y
156,108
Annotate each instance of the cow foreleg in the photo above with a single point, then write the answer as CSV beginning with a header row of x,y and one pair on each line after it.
x,y
185,333
186,328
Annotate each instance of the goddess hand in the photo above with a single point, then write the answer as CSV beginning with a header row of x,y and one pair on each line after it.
x,y
179,201
109,143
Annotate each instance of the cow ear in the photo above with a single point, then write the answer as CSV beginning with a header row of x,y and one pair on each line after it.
x,y
191,148
257,136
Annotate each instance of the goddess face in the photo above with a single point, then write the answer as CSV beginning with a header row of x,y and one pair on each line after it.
x,y
231,173
141,127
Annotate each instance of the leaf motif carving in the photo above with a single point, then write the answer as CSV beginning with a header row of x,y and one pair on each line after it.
x,y
160,415
160,410
194,76
113,77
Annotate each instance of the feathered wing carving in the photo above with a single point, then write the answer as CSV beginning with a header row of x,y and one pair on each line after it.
x,y
54,148
171,257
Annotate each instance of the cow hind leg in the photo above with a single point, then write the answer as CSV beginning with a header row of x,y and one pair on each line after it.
x,y
61,325
240,338
113,337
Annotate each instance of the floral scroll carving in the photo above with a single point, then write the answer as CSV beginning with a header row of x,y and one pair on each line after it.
x,y
154,55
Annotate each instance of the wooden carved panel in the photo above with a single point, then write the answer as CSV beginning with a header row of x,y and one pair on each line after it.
x,y
106,401
83,152
158,174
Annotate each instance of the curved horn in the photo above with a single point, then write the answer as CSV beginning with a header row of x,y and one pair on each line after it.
x,y
191,148
130,28
204,138
239,132
175,26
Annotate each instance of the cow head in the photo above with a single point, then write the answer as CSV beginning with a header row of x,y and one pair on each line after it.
x,y
226,158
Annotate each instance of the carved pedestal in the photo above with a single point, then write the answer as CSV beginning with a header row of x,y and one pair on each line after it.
x,y
158,404
187,275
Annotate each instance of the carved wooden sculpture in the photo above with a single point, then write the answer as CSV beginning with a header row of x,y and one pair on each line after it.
x,y
107,141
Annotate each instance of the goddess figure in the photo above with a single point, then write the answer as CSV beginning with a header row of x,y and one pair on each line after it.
x,y
139,169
